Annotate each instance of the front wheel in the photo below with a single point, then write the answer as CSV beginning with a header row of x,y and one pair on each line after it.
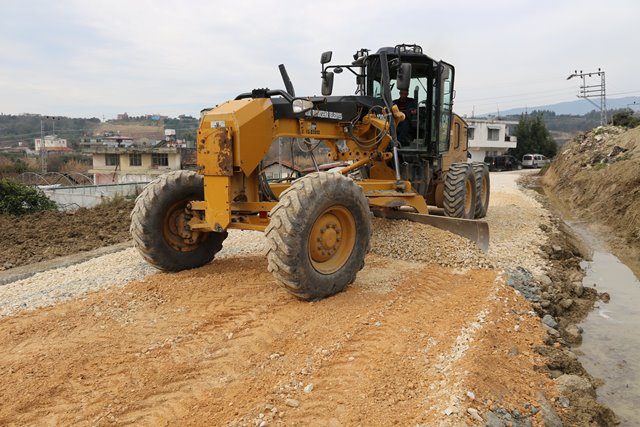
x,y
460,191
159,224
318,235
483,187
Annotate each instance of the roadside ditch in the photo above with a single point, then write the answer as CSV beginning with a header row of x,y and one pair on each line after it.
x,y
562,301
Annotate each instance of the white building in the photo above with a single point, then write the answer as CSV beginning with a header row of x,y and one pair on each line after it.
x,y
280,169
120,165
51,143
490,137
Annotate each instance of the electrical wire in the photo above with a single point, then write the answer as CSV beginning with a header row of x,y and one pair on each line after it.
x,y
307,142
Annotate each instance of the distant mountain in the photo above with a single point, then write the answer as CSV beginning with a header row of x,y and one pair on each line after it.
x,y
577,107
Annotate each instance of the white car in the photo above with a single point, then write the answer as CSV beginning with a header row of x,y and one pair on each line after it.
x,y
534,161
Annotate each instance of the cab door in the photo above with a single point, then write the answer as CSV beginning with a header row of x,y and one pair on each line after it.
x,y
445,104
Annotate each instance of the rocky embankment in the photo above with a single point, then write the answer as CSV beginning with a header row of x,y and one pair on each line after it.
x,y
597,177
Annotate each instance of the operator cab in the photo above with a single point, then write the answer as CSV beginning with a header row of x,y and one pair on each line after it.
x,y
429,85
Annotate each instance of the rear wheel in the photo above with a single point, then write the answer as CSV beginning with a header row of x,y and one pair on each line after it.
x,y
318,235
460,191
483,187
159,224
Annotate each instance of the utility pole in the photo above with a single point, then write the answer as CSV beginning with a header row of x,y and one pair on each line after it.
x,y
43,150
593,91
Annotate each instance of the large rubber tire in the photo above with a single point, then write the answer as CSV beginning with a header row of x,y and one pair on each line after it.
x,y
460,191
483,188
318,235
159,216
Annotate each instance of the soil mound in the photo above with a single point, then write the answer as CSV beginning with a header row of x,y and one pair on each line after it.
x,y
47,235
598,176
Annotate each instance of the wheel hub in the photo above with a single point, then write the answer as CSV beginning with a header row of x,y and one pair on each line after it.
x,y
326,237
176,230
332,239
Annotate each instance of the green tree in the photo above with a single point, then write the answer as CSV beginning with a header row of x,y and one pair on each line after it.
x,y
533,137
19,199
625,118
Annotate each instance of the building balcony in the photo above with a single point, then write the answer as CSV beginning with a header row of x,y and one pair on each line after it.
x,y
509,142
110,149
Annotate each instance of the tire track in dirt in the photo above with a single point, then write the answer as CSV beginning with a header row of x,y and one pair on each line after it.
x,y
388,378
224,344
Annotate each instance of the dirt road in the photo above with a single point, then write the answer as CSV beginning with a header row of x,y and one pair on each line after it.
x,y
224,345
409,343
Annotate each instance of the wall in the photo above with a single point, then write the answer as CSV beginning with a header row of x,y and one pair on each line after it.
x,y
87,196
104,178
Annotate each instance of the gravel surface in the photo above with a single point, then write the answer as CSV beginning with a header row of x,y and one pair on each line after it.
x,y
516,221
410,241
74,281
518,224
114,269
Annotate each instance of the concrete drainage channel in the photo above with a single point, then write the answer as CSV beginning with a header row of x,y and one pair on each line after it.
x,y
610,340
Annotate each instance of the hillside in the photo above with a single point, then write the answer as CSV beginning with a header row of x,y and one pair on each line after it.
x,y
25,127
576,107
598,176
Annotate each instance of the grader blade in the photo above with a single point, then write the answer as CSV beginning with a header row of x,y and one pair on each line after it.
x,y
474,230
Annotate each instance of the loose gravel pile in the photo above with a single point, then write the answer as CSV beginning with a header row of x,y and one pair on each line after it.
x,y
410,241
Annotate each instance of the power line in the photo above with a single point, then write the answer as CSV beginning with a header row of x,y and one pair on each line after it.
x,y
591,91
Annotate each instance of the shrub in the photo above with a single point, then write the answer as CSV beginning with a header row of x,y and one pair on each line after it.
x,y
19,199
626,119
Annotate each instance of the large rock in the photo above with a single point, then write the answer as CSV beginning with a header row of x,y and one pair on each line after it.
x,y
549,321
549,416
567,384
573,334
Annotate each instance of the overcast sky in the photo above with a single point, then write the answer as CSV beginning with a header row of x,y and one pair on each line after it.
x,y
90,58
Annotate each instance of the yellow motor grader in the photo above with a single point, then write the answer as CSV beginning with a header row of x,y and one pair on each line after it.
x,y
318,226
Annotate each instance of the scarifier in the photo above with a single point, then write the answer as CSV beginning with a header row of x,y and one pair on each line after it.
x,y
318,227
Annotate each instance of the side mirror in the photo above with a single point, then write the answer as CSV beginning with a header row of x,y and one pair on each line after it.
x,y
327,83
403,78
300,105
325,58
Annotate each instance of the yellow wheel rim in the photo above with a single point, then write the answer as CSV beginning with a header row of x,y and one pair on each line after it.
x,y
174,229
468,197
483,191
332,239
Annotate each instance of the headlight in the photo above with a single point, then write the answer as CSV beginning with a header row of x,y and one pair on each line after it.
x,y
301,105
